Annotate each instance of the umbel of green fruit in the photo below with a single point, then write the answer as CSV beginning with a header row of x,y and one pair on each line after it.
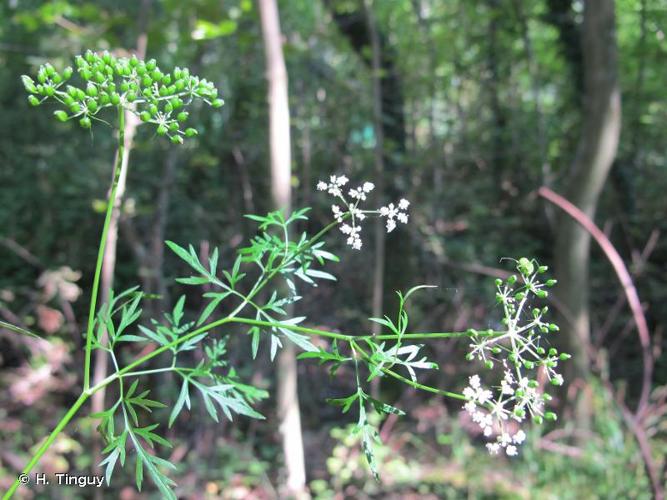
x,y
123,83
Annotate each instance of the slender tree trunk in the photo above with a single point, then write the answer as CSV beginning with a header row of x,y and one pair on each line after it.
x,y
595,155
378,152
109,259
288,401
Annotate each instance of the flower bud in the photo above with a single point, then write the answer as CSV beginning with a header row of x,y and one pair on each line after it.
x,y
190,132
551,283
176,139
29,84
489,364
145,116
75,107
115,99
85,122
92,105
182,116
551,416
542,269
33,100
511,280
538,419
161,130
218,103
564,356
61,115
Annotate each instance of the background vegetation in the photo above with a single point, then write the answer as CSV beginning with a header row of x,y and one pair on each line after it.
x,y
481,103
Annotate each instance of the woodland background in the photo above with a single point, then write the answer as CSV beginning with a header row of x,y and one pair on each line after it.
x,y
466,108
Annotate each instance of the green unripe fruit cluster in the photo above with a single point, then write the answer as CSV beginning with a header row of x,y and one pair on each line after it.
x,y
125,84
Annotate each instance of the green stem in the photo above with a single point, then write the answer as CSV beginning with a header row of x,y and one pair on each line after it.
x,y
48,442
103,243
18,329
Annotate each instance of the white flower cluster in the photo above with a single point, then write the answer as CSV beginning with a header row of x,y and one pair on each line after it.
x,y
351,200
519,395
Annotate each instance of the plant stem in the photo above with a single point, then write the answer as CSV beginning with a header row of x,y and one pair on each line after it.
x,y
49,441
103,242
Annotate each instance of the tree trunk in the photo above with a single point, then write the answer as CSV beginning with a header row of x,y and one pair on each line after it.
x,y
288,401
109,259
595,155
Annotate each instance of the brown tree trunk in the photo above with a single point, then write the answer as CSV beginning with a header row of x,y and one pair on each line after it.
x,y
595,155
288,401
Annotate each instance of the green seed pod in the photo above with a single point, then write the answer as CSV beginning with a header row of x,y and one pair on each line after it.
x,y
540,350
176,102
551,283
520,296
529,365
131,97
56,79
146,81
542,269
176,139
542,294
29,84
80,62
153,109
151,64
180,85
41,75
134,61
520,412
469,357
80,94
168,108
156,74
99,77
147,92
182,116
68,100
145,116
550,416
90,57
161,130
489,364
177,73
50,71
115,99
173,127
124,87
166,79
91,90
49,90
163,91
75,108
496,350
564,356
547,397
555,381
86,74
538,419
33,100
141,70
61,115
85,122
67,72
499,282
511,280
106,57
218,103
92,105
172,89
104,99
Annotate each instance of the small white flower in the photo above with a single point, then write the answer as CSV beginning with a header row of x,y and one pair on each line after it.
x,y
402,218
322,186
368,187
493,448
511,450
519,437
391,225
403,204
